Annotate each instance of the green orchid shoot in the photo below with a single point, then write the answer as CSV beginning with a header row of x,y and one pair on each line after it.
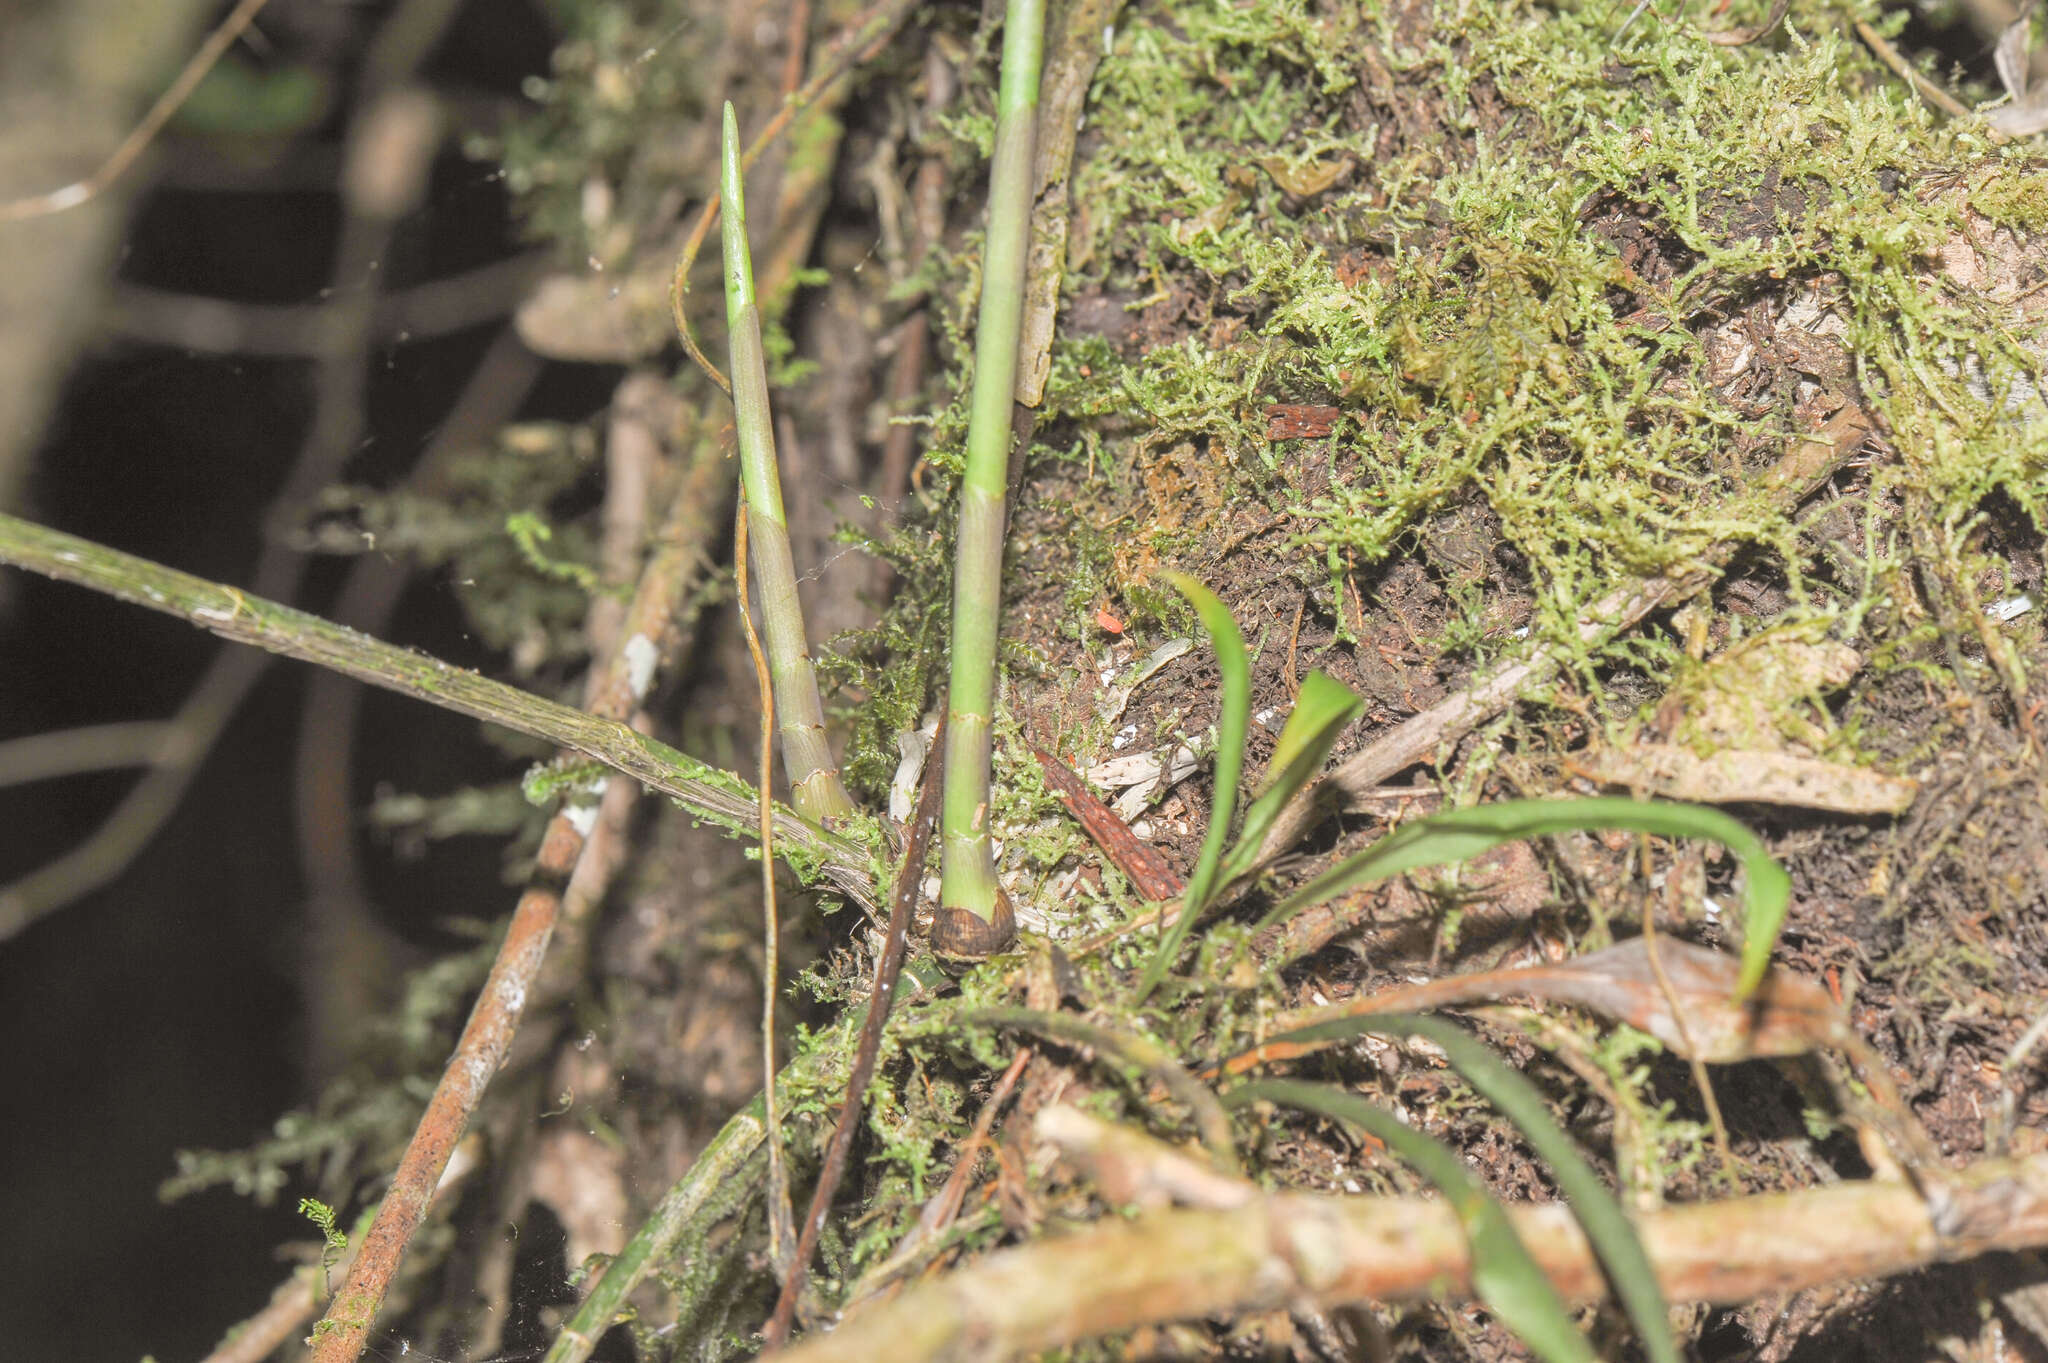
x,y
806,756
974,919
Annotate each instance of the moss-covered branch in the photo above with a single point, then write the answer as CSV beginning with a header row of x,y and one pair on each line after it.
x,y
716,796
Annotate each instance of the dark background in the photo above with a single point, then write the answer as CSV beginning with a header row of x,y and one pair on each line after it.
x,y
164,1012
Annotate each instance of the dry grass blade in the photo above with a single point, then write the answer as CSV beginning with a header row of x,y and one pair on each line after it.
x,y
1788,1014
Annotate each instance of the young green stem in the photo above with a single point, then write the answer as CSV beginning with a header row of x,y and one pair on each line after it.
x,y
974,918
806,756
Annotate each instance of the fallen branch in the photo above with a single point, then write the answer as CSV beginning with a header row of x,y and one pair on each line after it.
x,y
1280,1250
716,796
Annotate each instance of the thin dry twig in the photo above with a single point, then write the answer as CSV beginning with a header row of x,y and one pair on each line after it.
x,y
1925,88
1282,1249
79,191
781,1233
922,1240
903,898
1998,1127
295,1300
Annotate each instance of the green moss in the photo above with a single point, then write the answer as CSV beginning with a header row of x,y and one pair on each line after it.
x,y
621,106
2015,196
1466,296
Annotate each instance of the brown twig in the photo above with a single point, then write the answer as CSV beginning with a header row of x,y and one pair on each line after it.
x,y
1142,864
1282,1249
212,50
903,897
1073,51
940,1213
340,1335
614,690
781,1234
297,1299
934,1219
1925,88
797,31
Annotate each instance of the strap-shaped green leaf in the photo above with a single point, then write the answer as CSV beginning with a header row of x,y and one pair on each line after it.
x,y
1460,834
1320,713
1504,1274
1608,1228
1233,662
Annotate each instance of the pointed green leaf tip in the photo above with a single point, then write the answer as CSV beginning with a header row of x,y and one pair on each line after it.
x,y
1460,834
1233,661
732,195
1320,713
